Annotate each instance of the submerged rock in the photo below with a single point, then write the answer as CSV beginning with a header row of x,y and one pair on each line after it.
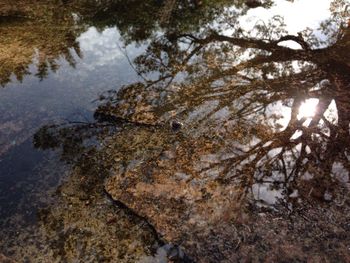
x,y
187,210
176,125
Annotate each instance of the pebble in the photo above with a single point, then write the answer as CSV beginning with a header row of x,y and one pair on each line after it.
x,y
176,125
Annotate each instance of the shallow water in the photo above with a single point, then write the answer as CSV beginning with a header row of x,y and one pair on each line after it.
x,y
174,130
65,95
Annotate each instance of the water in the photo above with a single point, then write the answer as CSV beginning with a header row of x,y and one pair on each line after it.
x,y
92,169
66,92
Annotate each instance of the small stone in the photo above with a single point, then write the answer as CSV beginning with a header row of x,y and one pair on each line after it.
x,y
176,125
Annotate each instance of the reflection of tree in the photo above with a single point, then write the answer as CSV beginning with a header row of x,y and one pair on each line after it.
x,y
139,20
47,30
246,75
238,96
35,30
50,28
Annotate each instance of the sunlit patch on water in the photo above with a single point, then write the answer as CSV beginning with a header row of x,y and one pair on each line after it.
x,y
308,108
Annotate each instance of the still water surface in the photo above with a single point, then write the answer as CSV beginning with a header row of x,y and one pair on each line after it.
x,y
148,131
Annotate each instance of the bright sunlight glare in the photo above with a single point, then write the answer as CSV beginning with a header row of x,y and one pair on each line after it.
x,y
307,108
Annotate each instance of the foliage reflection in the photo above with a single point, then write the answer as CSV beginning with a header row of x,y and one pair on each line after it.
x,y
253,114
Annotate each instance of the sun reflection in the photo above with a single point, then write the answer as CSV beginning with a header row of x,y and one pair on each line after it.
x,y
307,108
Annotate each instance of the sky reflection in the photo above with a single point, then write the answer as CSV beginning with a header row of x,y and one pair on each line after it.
x,y
68,92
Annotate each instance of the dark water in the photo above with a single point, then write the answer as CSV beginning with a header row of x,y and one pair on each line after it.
x,y
148,131
66,95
